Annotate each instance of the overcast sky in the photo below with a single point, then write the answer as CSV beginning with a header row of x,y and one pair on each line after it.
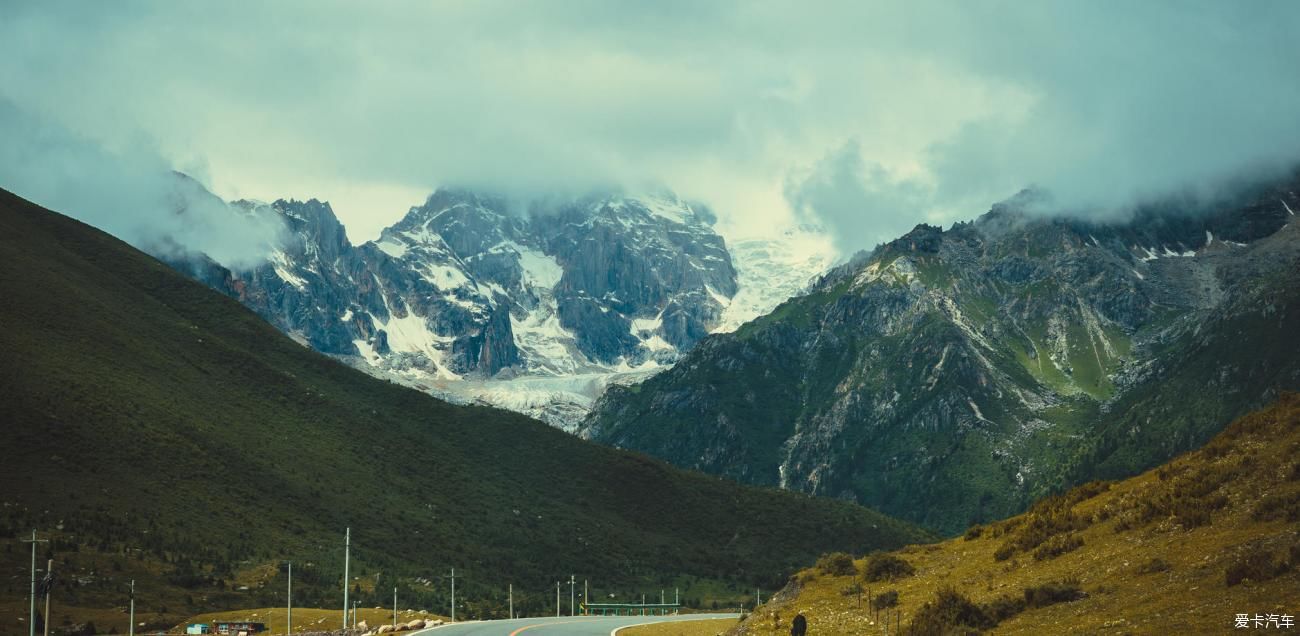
x,y
868,117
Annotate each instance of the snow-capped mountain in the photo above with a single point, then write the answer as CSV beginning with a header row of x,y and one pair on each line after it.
x,y
770,271
534,307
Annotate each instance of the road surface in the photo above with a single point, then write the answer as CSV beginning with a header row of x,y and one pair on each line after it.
x,y
565,625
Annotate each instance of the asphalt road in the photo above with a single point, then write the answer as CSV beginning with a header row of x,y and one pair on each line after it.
x,y
564,625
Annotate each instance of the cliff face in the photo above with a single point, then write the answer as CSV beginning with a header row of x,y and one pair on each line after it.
x,y
464,286
952,376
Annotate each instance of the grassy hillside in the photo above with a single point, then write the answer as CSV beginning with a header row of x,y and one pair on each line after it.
x,y
1181,549
162,432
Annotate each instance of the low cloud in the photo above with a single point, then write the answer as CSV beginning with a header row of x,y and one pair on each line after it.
x,y
872,117
130,192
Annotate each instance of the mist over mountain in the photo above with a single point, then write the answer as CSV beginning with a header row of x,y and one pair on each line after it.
x,y
131,192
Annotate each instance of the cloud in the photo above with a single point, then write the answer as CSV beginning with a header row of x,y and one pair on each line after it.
x,y
951,105
861,202
130,192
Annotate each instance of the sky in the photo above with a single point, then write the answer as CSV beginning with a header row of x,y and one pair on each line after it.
x,y
863,117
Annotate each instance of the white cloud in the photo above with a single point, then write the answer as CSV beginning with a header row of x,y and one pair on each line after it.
x,y
946,106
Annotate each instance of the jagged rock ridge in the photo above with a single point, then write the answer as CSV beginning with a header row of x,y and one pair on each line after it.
x,y
466,286
951,377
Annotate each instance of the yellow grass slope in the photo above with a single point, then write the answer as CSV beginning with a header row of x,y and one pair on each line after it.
x,y
1183,549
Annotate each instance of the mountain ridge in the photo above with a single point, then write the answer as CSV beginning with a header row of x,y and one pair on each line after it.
x,y
950,377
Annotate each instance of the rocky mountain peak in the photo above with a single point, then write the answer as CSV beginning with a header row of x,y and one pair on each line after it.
x,y
940,376
472,286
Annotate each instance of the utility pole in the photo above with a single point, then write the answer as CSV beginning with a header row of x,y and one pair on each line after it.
x,y
758,598
512,600
585,599
288,618
49,574
394,606
347,548
131,630
31,615
453,578
354,614
573,588
557,599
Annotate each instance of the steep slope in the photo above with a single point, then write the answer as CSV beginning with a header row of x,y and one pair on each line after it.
x,y
951,377
1184,549
150,420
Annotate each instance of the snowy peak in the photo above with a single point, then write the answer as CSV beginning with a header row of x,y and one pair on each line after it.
x,y
469,285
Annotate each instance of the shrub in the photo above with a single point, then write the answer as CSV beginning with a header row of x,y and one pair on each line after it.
x,y
1004,607
1255,565
1056,546
1274,507
1047,519
1153,566
1053,593
884,600
949,612
973,532
1085,492
882,566
1193,514
837,564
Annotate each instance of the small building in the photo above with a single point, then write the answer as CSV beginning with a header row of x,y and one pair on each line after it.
x,y
198,628
229,628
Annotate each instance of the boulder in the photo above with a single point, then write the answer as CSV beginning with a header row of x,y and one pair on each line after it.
x,y
416,624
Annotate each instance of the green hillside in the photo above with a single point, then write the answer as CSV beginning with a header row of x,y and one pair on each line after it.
x,y
953,377
163,432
